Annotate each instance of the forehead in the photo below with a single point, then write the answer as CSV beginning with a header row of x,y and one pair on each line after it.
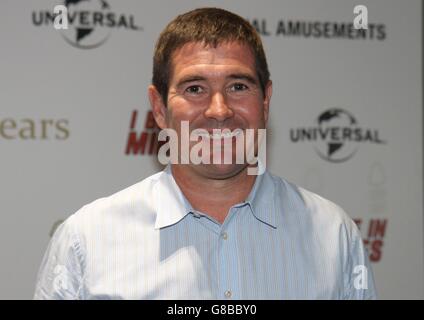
x,y
195,57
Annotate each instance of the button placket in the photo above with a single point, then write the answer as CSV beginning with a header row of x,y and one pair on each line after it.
x,y
228,294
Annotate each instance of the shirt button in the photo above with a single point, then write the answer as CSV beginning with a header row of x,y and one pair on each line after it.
x,y
224,236
227,294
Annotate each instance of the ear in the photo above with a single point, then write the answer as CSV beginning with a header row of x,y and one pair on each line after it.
x,y
158,106
267,99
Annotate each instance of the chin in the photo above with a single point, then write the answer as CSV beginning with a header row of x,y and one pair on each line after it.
x,y
220,171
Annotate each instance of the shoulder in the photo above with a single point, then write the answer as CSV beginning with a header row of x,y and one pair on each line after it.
x,y
313,208
116,208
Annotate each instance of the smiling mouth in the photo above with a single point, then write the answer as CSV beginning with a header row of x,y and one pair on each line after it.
x,y
218,134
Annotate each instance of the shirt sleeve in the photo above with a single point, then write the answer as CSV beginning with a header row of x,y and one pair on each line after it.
x,y
360,279
61,273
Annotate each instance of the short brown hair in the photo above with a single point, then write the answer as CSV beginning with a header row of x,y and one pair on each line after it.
x,y
211,26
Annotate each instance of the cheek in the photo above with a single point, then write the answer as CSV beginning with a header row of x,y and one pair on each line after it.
x,y
252,111
181,110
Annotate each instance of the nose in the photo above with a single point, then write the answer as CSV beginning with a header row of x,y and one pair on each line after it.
x,y
218,109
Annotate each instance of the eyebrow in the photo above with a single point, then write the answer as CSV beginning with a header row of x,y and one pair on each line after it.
x,y
188,79
243,76
235,76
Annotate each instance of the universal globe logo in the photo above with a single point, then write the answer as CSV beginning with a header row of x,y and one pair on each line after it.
x,y
89,22
336,127
336,136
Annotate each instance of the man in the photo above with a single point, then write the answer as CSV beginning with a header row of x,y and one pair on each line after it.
x,y
208,231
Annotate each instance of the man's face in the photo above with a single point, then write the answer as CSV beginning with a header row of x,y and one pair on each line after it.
x,y
216,88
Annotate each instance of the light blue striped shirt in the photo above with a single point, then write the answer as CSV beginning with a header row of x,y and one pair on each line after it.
x,y
147,242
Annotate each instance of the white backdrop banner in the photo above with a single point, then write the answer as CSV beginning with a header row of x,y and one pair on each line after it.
x,y
346,118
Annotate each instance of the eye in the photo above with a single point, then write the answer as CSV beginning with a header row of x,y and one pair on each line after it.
x,y
194,89
237,87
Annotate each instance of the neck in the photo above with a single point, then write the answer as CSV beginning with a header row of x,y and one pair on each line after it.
x,y
213,196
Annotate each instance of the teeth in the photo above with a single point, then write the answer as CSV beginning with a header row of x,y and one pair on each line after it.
x,y
222,135
226,135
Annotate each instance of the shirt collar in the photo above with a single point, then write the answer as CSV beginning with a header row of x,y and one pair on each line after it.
x,y
262,199
172,206
170,203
